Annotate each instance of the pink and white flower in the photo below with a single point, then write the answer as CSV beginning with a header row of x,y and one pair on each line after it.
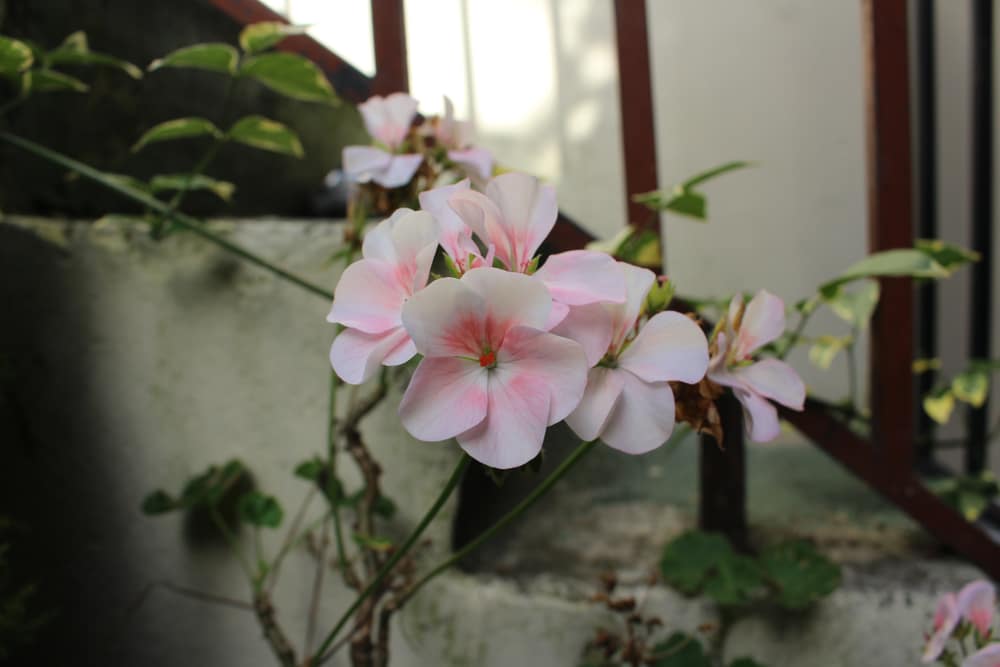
x,y
388,121
491,376
946,619
985,657
756,384
456,137
453,234
628,402
976,603
369,297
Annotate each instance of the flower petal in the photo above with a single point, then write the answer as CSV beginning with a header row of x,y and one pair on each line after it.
x,y
643,418
670,346
773,379
946,618
590,326
604,386
976,602
360,162
476,162
515,423
483,217
580,277
368,297
624,315
512,299
445,397
399,171
528,209
549,361
388,119
446,319
761,417
455,236
356,355
763,321
988,656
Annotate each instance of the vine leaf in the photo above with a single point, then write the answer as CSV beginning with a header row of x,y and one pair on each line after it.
x,y
214,57
290,75
178,128
259,37
266,134
76,51
800,574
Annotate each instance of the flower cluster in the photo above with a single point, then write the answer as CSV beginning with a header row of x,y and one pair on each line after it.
x,y
510,348
406,145
967,614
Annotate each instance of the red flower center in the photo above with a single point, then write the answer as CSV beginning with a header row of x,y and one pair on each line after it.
x,y
488,359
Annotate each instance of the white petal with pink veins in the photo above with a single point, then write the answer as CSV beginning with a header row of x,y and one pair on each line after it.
x,y
763,321
368,297
388,119
484,218
637,284
989,656
515,423
445,319
512,299
455,236
760,415
604,387
528,209
670,346
579,277
356,355
399,171
976,602
360,162
550,361
476,162
773,379
590,326
643,418
445,397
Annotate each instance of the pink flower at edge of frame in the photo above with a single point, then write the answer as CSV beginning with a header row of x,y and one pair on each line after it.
x,y
491,377
988,656
976,603
946,619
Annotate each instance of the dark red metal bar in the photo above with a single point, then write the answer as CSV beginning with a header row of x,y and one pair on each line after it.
x,y
890,225
389,34
722,505
636,93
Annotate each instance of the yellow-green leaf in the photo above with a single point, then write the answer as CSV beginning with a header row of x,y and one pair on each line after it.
x,y
49,81
216,57
925,365
266,134
262,36
291,75
940,405
75,51
826,348
15,56
948,255
856,305
899,262
179,128
971,386
165,182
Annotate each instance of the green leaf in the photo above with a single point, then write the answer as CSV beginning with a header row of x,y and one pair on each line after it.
x,y
680,650
373,543
267,135
290,75
171,182
158,502
971,386
969,495
826,348
683,199
385,507
210,487
926,365
215,57
633,245
703,562
15,56
75,51
939,405
948,255
799,573
709,174
179,128
262,36
309,470
50,81
854,306
745,662
259,509
900,262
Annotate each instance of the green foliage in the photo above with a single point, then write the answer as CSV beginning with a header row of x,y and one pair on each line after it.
x,y
49,81
178,128
683,199
15,57
948,255
207,489
680,650
854,306
262,36
790,575
798,573
970,386
266,134
969,495
258,509
216,57
825,349
633,245
171,182
907,262
371,542
291,75
939,404
76,51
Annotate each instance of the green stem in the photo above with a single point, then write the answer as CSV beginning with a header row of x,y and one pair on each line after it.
x,y
398,554
331,453
797,334
182,220
530,500
227,534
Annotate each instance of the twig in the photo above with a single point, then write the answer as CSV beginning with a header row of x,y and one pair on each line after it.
x,y
317,588
290,537
273,633
192,593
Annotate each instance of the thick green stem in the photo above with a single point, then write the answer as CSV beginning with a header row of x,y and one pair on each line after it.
x,y
182,220
398,554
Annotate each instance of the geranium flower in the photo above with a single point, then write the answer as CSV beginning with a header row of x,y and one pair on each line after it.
x,y
369,297
755,384
628,402
946,619
491,376
976,602
388,121
985,657
456,137
454,235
